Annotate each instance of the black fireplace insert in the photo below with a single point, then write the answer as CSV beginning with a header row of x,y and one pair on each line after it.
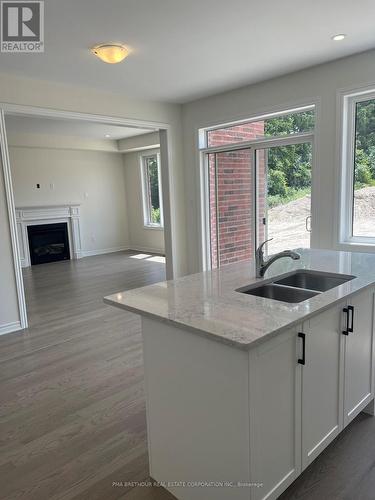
x,y
48,242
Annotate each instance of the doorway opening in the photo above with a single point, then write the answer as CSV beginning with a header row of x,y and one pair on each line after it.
x,y
68,178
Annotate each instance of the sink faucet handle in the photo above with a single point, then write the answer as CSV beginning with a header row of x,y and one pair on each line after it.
x,y
260,248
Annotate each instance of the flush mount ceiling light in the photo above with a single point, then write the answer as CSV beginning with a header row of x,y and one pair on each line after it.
x,y
338,37
107,136
111,53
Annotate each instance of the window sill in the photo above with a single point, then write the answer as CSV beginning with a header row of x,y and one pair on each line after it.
x,y
150,226
358,246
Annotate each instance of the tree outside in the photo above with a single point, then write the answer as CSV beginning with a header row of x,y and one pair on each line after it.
x,y
365,144
153,179
289,167
364,169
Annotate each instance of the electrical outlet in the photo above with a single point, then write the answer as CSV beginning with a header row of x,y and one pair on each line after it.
x,y
52,186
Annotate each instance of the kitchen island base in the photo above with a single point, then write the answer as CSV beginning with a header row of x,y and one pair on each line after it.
x,y
243,392
233,424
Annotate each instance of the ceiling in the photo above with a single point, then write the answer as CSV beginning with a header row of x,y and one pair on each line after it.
x,y
182,50
18,124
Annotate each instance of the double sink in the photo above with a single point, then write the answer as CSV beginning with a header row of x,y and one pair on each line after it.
x,y
296,286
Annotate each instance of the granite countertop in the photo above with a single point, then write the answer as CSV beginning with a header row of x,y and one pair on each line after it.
x,y
207,303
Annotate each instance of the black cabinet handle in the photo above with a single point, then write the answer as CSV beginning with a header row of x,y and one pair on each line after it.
x,y
303,337
346,331
349,311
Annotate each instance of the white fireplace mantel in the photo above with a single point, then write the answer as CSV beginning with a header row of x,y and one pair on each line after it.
x,y
48,214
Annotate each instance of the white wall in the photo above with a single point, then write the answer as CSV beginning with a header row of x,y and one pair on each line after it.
x,y
94,179
52,141
139,142
141,238
44,94
318,83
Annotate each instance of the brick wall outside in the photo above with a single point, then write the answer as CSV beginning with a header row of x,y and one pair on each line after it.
x,y
213,215
234,177
236,133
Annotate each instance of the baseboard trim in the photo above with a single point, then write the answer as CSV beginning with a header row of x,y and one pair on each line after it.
x,y
102,251
90,253
10,327
136,248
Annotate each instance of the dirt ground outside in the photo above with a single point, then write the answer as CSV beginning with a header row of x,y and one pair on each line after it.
x,y
364,212
287,223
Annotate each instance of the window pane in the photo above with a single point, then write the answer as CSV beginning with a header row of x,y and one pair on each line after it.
x,y
284,196
212,180
231,207
364,170
153,189
235,134
293,123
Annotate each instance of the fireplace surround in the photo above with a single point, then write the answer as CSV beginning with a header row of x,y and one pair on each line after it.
x,y
48,215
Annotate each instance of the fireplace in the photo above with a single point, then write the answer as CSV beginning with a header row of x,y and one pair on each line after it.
x,y
48,242
49,214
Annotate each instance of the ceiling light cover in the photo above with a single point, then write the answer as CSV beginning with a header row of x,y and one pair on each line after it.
x,y
338,37
111,53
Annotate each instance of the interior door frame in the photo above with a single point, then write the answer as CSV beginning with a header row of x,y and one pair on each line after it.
x,y
253,146
167,182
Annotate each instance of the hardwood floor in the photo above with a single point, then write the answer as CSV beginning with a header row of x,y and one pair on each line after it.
x,y
72,414
344,471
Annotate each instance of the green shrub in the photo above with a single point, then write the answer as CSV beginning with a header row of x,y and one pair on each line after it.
x,y
277,183
363,174
155,215
302,176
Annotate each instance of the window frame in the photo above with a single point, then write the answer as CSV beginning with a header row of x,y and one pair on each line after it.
x,y
346,164
203,132
254,145
146,200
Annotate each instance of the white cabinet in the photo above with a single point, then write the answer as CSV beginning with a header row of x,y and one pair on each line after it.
x,y
275,415
321,382
305,386
359,346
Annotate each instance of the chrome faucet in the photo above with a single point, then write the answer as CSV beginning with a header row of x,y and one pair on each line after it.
x,y
262,265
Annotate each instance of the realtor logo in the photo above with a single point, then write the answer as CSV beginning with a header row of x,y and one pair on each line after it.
x,y
22,26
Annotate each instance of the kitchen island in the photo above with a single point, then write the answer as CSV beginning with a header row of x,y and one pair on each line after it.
x,y
243,392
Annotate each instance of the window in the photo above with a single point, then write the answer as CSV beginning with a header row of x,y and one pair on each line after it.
x,y
287,124
151,190
358,169
258,186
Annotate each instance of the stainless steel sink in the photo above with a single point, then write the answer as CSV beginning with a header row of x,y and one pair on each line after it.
x,y
314,280
296,286
282,293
